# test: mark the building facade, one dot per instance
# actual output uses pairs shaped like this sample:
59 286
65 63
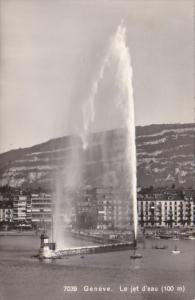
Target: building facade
86 213
169 208
114 209
106 208
41 209
20 206
6 211
102 208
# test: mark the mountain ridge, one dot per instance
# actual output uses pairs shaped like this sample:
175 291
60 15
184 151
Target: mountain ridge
165 156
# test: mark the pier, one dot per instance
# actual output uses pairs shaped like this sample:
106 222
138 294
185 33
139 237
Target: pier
53 254
94 249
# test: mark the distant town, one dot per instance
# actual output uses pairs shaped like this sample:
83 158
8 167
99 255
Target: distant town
99 208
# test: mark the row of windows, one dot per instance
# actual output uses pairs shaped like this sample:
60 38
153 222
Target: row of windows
40 216
168 202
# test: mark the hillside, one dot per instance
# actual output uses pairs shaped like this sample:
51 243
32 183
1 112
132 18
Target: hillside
165 155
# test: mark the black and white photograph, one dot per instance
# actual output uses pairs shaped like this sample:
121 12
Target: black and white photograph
97 149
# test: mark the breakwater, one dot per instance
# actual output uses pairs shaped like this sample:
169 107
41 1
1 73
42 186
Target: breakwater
93 249
95 238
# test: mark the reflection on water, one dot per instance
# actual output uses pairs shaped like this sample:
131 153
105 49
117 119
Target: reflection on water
23 277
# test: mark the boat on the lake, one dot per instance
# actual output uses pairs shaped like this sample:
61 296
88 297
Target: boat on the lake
176 250
135 255
190 237
160 247
165 236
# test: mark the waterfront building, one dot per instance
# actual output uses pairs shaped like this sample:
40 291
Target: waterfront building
28 210
114 209
41 209
166 208
102 208
20 204
6 211
86 209
105 208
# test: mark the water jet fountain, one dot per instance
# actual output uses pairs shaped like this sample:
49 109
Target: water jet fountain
117 55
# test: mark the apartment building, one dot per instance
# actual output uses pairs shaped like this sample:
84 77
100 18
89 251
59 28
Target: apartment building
169 208
21 204
41 209
6 211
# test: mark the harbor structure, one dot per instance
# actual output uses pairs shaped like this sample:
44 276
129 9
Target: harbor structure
47 249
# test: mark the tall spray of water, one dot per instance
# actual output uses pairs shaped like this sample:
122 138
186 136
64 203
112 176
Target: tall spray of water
118 58
125 101
117 61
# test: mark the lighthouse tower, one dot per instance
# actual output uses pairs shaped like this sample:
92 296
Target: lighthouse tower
45 251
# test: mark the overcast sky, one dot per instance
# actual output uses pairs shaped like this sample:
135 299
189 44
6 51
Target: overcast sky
51 51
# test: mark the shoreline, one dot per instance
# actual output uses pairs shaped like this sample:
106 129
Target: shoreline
17 233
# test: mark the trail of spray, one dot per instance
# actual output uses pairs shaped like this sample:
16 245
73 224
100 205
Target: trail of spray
118 56
88 109
68 178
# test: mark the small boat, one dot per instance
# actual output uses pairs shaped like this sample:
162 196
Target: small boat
190 237
176 250
135 255
165 236
159 247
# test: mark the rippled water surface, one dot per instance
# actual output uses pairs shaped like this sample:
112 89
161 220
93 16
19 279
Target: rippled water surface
25 278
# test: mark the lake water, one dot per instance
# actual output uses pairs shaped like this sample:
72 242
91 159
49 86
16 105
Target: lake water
25 278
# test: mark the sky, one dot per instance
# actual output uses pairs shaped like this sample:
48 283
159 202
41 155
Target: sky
51 52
